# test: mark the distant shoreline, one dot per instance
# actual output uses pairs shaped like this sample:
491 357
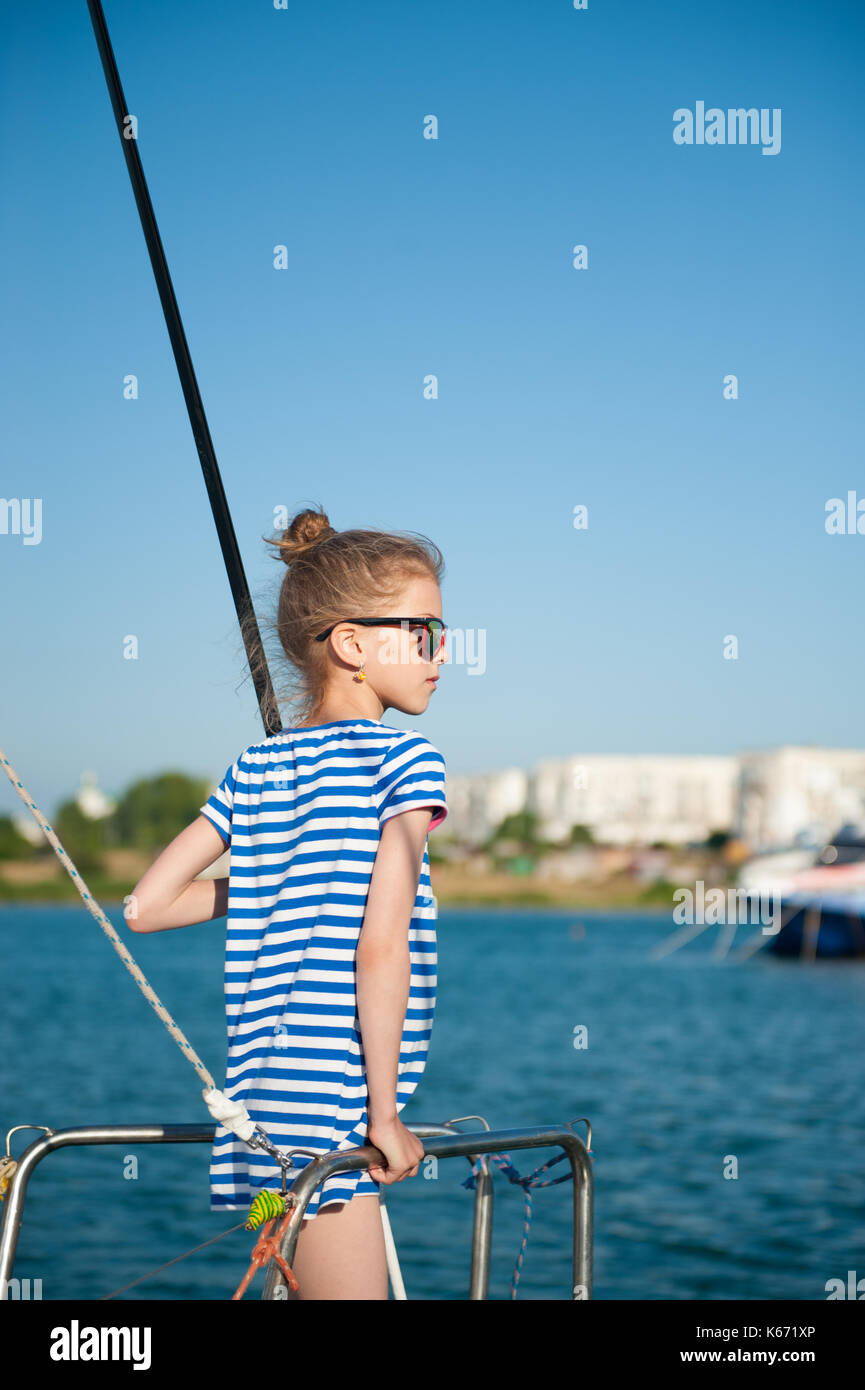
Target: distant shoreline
451 887
646 909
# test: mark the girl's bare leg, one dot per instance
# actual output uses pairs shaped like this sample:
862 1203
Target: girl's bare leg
340 1252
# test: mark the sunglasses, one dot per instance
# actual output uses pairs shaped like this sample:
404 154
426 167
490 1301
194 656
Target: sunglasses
432 631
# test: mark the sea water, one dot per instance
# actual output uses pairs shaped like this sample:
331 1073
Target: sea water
726 1101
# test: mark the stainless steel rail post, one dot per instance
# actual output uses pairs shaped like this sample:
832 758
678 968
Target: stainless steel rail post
452 1146
440 1141
12 1207
275 1286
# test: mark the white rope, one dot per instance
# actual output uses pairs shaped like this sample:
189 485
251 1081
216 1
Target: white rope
393 1268
232 1114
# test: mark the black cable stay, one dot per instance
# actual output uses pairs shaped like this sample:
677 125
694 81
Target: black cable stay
195 408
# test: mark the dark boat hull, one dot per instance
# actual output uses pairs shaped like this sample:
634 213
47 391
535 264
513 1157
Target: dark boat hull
834 932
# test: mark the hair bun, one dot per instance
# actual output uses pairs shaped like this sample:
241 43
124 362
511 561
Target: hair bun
308 529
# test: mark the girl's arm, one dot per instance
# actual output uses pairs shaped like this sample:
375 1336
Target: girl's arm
166 895
382 958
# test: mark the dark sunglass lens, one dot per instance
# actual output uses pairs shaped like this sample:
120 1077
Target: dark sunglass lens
430 636
421 633
434 636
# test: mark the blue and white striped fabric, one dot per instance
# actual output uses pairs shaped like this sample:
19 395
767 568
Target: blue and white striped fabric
302 813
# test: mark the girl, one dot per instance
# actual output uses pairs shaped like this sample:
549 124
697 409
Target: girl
330 967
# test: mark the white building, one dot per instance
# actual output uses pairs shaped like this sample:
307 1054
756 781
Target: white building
766 798
476 805
92 801
29 830
635 799
788 792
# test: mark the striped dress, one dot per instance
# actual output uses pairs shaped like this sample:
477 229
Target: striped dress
302 813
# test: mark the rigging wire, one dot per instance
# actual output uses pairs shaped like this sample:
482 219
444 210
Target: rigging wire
176 1260
127 130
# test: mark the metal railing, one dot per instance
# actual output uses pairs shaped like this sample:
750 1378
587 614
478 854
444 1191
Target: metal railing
440 1141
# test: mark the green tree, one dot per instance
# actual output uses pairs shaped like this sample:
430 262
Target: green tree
581 835
522 827
12 843
83 839
152 811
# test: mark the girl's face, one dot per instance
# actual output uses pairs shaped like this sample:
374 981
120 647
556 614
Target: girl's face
395 664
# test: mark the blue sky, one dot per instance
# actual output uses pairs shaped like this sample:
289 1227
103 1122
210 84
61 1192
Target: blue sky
408 256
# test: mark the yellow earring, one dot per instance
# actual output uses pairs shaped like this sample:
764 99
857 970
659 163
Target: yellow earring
359 675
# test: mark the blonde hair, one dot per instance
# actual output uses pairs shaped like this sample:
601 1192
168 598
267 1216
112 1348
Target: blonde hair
335 575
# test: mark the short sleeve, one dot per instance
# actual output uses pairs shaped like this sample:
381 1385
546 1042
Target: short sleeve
219 805
412 776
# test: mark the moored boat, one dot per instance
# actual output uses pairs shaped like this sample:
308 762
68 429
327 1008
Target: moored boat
821 903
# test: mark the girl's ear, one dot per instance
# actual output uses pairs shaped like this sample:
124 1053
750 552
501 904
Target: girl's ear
346 644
